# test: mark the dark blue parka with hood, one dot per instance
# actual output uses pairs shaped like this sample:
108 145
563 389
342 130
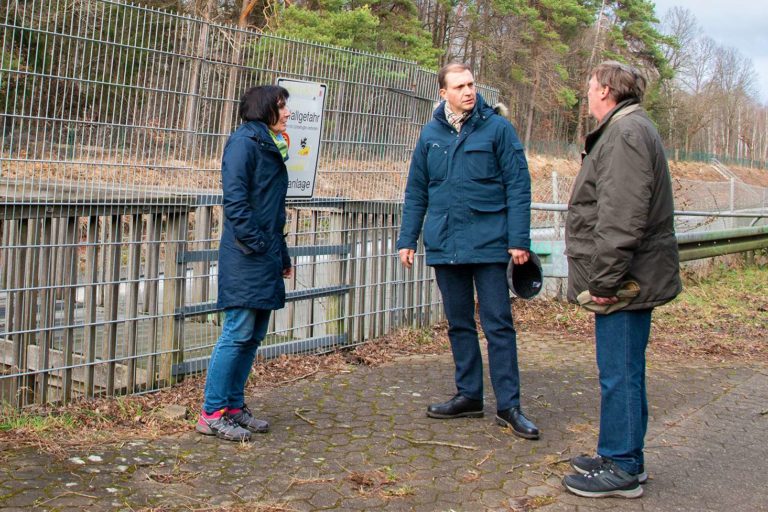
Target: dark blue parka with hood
253 252
473 187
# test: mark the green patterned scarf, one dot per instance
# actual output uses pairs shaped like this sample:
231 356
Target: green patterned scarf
281 143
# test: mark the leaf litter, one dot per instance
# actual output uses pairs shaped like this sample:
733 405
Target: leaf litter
731 331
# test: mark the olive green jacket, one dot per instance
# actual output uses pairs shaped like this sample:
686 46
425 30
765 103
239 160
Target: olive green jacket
620 222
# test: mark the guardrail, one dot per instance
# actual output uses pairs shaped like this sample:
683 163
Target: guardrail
708 244
693 246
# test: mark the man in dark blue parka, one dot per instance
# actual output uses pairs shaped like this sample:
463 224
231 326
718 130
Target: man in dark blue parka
469 186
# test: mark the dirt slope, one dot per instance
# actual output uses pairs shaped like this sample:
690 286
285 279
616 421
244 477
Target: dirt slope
541 167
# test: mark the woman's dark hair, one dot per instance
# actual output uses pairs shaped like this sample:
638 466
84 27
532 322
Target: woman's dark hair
263 103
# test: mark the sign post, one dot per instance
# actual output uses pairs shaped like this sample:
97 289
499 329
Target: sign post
303 131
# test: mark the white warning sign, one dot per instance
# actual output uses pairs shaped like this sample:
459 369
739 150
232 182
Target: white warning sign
306 102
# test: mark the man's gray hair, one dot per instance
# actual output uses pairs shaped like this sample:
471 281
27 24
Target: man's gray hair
453 67
624 81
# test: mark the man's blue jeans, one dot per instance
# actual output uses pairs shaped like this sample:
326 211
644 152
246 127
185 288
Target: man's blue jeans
233 356
457 286
621 339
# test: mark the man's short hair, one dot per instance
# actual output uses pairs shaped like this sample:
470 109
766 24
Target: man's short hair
263 103
453 67
624 81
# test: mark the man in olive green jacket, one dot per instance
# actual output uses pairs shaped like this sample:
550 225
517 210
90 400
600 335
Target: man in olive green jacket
620 229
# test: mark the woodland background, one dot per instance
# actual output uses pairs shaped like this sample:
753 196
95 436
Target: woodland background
537 53
702 96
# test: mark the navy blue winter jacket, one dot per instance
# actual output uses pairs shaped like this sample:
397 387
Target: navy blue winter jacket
471 190
253 253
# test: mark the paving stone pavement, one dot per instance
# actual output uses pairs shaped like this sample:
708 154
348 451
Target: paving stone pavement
360 440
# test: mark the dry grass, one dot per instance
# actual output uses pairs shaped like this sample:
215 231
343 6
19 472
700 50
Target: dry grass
721 316
528 503
381 482
552 316
542 166
346 178
368 480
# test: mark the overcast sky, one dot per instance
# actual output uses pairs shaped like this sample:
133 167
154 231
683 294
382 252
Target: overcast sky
740 24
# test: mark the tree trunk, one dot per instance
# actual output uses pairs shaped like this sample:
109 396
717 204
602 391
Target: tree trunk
190 114
225 120
532 105
583 104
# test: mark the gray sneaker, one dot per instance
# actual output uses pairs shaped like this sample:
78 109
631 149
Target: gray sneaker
583 464
222 427
245 419
607 480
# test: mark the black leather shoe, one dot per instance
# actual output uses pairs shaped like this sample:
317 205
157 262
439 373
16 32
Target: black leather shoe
456 407
516 420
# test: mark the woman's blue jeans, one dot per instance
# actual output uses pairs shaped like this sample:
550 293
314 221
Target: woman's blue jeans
233 356
621 341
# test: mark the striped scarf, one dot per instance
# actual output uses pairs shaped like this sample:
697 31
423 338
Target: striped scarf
455 120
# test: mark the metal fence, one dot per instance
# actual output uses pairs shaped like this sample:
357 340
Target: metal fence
112 122
730 195
571 150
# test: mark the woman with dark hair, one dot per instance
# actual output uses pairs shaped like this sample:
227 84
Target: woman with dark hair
253 258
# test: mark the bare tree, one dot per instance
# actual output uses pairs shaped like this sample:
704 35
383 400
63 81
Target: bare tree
596 50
